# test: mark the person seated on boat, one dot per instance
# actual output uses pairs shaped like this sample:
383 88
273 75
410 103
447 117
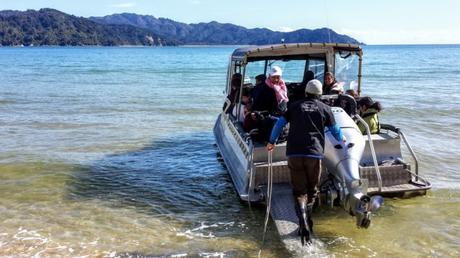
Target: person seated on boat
245 100
264 105
234 91
308 119
250 123
368 110
347 103
263 97
298 92
331 86
275 82
352 93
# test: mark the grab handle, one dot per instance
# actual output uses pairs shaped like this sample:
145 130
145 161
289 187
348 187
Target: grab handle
371 146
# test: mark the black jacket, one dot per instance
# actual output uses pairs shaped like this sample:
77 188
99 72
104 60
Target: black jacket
308 119
264 98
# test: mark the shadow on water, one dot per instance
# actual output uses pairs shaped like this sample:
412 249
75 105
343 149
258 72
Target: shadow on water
178 176
176 179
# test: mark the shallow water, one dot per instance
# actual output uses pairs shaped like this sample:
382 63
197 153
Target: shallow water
109 152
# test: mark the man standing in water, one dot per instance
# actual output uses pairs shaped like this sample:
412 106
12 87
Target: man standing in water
305 149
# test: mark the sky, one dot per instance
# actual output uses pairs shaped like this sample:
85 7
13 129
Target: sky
369 21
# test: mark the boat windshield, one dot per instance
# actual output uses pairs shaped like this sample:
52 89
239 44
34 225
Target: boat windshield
347 69
293 70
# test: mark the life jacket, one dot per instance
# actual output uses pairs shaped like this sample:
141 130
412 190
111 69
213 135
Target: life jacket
371 117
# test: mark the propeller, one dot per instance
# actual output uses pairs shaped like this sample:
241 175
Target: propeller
376 202
367 206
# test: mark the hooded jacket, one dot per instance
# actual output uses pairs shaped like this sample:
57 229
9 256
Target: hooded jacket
308 119
372 119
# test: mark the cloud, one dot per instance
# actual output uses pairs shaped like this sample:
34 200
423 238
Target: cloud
285 29
123 5
195 2
403 36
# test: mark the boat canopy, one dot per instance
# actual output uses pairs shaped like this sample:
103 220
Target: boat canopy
254 53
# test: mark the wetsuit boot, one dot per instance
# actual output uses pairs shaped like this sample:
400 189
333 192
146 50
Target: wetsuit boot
301 210
311 202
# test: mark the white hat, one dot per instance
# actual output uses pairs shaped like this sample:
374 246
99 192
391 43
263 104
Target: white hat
276 71
314 87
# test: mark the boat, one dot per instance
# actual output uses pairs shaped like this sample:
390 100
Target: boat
356 175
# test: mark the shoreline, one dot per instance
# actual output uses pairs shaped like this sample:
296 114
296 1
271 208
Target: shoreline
204 45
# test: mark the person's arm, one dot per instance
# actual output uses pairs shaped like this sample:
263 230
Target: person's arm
276 131
336 132
332 126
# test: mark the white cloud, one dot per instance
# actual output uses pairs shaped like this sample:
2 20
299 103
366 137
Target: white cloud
285 29
195 2
123 5
403 36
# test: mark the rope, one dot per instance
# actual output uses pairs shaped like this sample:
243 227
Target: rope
269 196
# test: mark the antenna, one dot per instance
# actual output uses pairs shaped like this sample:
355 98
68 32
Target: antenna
327 21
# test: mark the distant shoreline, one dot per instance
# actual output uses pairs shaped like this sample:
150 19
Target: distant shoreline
201 46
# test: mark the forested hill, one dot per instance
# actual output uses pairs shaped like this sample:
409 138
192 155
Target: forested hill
219 33
52 27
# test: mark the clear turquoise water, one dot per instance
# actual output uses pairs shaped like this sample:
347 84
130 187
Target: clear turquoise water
109 151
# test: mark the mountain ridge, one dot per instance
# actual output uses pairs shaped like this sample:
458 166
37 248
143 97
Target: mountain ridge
52 27
222 33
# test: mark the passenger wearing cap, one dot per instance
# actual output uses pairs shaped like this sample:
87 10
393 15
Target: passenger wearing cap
368 110
331 86
275 82
308 119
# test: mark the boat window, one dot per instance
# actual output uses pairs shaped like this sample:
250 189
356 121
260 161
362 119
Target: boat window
293 70
252 70
317 66
235 67
346 69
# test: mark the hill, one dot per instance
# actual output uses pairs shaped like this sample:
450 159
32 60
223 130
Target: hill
221 33
52 27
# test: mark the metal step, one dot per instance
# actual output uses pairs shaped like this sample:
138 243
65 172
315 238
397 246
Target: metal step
401 190
283 214
283 211
396 181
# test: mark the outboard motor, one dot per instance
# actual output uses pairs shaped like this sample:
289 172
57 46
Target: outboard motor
342 162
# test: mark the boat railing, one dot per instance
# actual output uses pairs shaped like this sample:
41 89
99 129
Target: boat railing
409 147
227 105
371 147
250 166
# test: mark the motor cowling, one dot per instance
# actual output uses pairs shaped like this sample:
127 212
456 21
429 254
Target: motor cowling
342 162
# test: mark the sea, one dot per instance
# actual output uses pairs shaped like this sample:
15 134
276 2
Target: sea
109 152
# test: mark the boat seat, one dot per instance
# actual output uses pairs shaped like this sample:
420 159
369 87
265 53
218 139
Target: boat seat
387 147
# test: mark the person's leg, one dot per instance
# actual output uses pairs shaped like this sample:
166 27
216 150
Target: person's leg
313 173
299 185
298 176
